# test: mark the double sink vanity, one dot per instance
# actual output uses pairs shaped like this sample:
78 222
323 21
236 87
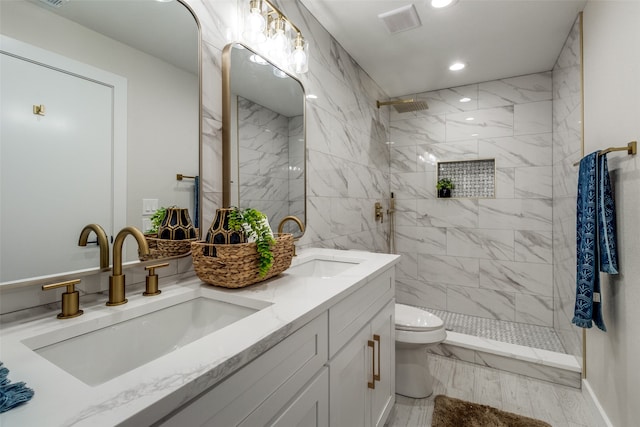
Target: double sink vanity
314 345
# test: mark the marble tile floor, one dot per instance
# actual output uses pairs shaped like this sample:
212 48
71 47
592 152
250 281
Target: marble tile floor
558 405
534 336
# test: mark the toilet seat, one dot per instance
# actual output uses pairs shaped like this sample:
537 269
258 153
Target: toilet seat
409 318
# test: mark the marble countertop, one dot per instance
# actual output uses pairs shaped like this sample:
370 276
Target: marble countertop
149 392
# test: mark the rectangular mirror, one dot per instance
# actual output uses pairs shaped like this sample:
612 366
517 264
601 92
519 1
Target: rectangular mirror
264 144
56 180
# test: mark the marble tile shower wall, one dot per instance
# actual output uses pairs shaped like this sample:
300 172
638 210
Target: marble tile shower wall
567 149
484 257
347 155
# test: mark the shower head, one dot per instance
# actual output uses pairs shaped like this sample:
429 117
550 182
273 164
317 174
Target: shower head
404 105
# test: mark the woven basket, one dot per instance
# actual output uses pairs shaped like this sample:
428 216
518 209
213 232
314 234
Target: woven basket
169 248
237 265
152 242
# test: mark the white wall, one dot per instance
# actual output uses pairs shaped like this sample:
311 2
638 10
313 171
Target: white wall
612 118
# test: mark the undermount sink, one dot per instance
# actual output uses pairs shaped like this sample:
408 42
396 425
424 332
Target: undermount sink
324 268
102 354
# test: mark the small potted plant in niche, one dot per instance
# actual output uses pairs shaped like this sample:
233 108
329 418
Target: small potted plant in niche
444 186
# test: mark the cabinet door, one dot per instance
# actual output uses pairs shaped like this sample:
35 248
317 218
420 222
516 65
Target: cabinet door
383 395
262 388
349 372
310 408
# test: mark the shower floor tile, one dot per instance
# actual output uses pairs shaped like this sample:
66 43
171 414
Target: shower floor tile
534 336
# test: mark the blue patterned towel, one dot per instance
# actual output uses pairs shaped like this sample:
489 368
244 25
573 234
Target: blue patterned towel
12 394
595 221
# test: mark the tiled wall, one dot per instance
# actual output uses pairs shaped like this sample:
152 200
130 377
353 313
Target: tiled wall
264 159
567 147
271 162
484 257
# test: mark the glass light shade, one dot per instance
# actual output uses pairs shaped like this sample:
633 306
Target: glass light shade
279 46
299 58
254 26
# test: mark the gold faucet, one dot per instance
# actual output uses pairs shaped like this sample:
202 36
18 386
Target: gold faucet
297 221
116 280
102 241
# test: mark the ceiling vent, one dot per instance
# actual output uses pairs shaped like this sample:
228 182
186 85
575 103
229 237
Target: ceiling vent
401 19
54 3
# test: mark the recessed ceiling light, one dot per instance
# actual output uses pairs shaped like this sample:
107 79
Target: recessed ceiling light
456 66
439 4
465 99
469 119
312 96
474 134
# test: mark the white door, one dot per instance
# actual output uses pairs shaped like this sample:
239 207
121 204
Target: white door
60 161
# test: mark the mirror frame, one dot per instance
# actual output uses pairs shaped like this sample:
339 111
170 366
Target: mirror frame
227 145
74 274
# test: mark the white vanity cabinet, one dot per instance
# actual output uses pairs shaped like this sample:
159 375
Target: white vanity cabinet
362 366
337 370
283 384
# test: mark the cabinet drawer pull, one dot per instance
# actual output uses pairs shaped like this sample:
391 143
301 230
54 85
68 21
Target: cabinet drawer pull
372 384
376 377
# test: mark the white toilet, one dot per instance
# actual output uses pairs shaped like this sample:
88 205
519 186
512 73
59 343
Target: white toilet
416 329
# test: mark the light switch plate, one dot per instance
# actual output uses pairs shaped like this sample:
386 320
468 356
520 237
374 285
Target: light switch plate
149 206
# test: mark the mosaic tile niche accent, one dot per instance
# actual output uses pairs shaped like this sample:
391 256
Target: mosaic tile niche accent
472 178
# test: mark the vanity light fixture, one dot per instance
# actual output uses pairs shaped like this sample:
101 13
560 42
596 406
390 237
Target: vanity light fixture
265 25
456 66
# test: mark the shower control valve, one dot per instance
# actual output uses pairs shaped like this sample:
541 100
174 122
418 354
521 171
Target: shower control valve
378 212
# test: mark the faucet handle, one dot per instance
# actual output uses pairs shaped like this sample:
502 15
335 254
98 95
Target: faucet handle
70 299
152 280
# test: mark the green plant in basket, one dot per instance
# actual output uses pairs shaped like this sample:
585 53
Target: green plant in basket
254 224
156 220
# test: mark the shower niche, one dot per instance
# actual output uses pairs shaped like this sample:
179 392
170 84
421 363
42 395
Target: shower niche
471 178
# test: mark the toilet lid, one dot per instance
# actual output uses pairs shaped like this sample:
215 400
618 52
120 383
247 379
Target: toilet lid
410 318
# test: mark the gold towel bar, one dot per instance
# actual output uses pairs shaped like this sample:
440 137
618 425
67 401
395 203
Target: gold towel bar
631 149
180 177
